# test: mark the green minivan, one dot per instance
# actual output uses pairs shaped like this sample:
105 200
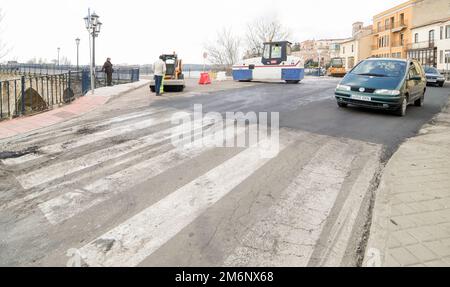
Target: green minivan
378 83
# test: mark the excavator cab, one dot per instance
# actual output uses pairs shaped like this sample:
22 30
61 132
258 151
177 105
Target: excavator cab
173 67
275 53
174 78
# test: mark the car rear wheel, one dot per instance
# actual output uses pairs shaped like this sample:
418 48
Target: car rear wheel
401 112
342 105
420 102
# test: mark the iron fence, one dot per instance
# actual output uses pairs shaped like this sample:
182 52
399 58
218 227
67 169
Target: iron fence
29 94
26 89
120 76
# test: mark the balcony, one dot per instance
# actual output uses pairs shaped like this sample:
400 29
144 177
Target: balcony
394 44
399 44
393 27
376 47
421 45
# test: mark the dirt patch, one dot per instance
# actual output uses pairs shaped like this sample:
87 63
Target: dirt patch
87 131
16 154
361 250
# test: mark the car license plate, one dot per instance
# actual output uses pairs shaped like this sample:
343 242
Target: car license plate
432 80
361 98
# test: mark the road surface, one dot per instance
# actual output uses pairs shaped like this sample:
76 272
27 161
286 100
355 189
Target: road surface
110 188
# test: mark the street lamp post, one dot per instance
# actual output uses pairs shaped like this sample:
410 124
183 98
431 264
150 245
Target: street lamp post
77 41
93 26
319 71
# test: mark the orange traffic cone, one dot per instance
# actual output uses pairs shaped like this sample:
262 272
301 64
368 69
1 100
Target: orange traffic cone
205 79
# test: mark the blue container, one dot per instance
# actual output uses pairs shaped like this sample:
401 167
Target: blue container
293 74
242 75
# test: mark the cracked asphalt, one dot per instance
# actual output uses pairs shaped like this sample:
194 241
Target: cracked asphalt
111 189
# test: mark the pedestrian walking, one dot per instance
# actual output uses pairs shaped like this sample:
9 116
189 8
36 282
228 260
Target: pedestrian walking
159 70
108 69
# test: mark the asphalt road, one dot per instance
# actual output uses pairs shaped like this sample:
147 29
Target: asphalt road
110 188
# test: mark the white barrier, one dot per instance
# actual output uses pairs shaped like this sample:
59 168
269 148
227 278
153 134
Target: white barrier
221 76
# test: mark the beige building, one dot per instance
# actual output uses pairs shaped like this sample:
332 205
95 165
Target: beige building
392 31
326 48
358 47
430 33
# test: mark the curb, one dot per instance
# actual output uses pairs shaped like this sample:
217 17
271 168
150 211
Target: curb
375 253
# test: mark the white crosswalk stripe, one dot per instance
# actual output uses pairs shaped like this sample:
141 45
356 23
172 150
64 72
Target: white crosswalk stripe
61 169
70 204
144 233
295 223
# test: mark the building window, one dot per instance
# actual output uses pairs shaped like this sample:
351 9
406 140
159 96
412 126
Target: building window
441 57
431 36
447 32
353 50
402 39
402 19
442 33
343 50
386 24
379 26
416 38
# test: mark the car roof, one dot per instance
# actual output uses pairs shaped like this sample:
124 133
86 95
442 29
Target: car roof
388 59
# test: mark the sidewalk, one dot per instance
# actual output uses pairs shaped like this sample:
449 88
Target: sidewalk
411 218
79 107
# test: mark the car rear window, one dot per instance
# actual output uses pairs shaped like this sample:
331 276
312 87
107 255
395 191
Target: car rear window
381 68
431 70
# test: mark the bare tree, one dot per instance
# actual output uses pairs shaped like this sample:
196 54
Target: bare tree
264 30
3 47
225 50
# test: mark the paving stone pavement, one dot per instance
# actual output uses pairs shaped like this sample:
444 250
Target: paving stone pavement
411 219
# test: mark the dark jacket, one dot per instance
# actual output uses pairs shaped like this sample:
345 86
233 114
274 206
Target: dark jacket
108 67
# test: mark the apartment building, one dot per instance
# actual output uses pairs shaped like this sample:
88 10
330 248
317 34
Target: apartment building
430 34
392 31
358 47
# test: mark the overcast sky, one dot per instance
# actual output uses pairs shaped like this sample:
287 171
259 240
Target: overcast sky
137 31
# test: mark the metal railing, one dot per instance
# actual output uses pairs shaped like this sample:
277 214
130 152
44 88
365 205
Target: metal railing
421 45
391 26
27 88
120 76
393 44
29 94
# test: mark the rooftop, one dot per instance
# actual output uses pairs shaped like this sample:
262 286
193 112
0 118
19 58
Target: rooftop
398 7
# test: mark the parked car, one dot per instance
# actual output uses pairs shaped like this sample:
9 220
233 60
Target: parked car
434 77
388 84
